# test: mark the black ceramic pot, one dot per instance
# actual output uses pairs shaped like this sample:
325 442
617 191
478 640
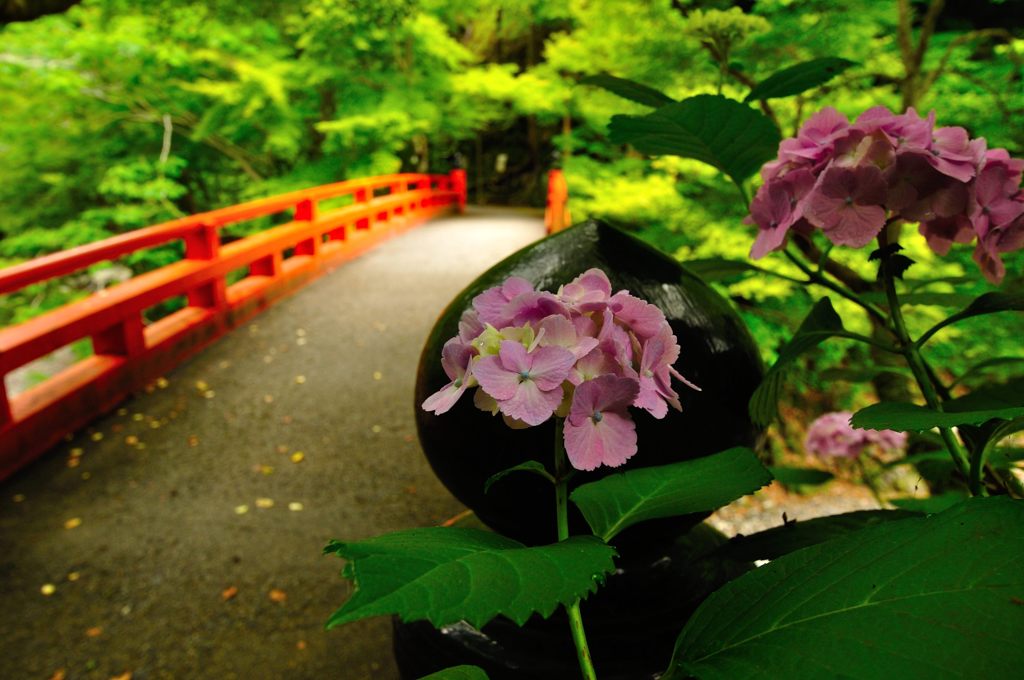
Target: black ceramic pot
466 446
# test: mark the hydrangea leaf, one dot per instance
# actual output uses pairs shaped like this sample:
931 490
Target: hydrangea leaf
621 500
1003 402
932 504
629 89
458 673
934 597
799 78
533 466
988 303
446 574
791 536
821 323
713 129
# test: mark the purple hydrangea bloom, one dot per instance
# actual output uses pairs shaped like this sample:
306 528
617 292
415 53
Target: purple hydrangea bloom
852 180
534 354
832 436
599 430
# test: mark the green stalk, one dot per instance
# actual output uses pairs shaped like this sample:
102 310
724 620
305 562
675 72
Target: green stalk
912 354
562 471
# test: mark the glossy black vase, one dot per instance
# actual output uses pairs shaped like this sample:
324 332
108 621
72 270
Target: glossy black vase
633 620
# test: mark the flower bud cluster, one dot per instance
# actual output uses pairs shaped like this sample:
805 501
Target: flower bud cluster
582 353
850 179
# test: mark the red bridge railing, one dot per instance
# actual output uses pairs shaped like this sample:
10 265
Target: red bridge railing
129 354
556 212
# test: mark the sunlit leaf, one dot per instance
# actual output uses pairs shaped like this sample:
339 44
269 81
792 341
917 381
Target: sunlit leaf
629 89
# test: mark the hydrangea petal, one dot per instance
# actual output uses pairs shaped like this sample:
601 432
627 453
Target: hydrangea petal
530 403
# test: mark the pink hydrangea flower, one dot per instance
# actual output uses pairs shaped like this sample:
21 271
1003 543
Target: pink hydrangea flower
832 436
851 180
582 352
599 430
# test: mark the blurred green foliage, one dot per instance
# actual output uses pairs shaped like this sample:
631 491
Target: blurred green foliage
119 114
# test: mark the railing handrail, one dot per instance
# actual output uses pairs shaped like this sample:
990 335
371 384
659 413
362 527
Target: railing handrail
65 262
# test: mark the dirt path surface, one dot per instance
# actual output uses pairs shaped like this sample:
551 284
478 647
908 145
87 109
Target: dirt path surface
181 536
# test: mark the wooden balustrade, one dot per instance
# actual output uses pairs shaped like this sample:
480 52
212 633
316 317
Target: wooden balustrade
128 353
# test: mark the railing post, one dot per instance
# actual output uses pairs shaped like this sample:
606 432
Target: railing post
397 188
5 405
204 244
305 211
556 213
362 195
458 179
124 339
423 184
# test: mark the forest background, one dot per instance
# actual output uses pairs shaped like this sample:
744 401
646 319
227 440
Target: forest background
115 115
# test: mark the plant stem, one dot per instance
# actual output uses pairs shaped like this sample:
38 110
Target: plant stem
562 471
921 374
818 278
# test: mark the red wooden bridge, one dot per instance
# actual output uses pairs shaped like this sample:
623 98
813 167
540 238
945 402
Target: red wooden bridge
129 354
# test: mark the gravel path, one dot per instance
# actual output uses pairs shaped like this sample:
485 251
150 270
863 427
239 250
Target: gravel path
181 536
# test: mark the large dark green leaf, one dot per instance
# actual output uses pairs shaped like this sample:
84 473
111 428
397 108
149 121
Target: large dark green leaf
791 536
989 303
629 89
931 597
799 78
621 500
985 366
447 574
930 504
821 323
1004 402
719 131
458 673
718 268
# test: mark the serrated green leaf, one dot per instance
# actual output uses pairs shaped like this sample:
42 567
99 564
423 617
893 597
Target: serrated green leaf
621 500
713 129
929 597
989 303
791 476
774 543
458 673
629 89
799 78
446 574
821 323
532 466
931 504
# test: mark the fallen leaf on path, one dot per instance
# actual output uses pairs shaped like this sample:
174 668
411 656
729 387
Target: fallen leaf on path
131 440
193 441
287 420
96 436
282 448
295 506
264 503
224 364
162 383
229 593
86 475
377 375
377 429
73 523
58 674
18 498
299 379
267 469
127 675
268 399
74 576
411 489
48 589
276 595
300 342
301 332
300 645
137 417
209 394
202 386
76 452
94 632
74 462
298 457
241 509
